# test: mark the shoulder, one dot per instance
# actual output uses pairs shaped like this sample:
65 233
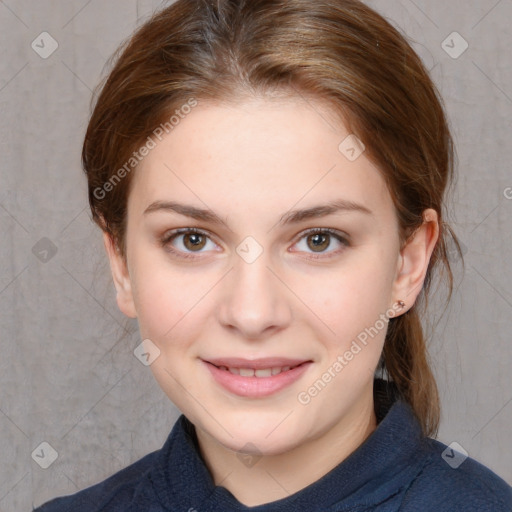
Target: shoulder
116 491
451 481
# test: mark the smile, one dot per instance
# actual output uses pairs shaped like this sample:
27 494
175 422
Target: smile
257 378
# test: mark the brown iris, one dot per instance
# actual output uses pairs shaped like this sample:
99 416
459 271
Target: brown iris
195 239
317 241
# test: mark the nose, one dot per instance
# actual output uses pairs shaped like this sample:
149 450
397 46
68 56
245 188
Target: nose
254 300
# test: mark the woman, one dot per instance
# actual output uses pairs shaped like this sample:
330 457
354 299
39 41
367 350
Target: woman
269 177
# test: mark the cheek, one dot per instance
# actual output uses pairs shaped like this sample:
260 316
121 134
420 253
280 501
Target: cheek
348 299
159 301
171 304
167 316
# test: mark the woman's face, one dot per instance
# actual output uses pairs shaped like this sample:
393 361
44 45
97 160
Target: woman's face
249 283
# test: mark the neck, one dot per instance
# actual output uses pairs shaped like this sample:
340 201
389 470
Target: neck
270 479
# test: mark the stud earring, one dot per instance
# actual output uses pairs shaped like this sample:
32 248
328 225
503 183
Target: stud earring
401 303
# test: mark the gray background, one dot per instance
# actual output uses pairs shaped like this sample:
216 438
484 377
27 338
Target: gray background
68 378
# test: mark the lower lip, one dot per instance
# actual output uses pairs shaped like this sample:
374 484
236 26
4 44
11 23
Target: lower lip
256 387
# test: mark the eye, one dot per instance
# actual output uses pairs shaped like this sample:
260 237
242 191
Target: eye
192 240
319 239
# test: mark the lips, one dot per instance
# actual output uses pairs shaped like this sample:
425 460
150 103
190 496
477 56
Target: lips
256 377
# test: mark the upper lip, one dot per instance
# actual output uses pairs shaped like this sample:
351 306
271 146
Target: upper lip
256 364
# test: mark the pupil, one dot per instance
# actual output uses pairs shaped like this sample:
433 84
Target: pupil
193 239
318 237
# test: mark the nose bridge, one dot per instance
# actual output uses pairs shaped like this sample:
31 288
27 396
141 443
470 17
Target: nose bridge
254 298
251 270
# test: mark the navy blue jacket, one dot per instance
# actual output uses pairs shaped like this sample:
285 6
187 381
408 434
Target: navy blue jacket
395 469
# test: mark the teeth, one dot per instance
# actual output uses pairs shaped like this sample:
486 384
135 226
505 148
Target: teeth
250 372
267 372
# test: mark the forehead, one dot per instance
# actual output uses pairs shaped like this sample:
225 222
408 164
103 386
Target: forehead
257 153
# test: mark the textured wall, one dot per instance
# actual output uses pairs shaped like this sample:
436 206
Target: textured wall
66 376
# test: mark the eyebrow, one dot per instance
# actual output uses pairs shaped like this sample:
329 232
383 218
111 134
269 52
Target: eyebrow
290 217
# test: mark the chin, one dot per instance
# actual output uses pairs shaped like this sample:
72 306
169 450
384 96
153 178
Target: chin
256 437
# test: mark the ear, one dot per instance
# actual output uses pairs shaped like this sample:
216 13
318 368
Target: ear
414 259
121 277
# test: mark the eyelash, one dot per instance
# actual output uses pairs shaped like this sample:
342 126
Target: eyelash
166 239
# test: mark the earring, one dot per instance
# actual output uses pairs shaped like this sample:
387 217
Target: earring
401 303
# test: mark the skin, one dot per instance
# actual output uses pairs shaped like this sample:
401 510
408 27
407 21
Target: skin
251 162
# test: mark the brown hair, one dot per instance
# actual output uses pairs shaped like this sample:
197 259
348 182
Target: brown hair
337 51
